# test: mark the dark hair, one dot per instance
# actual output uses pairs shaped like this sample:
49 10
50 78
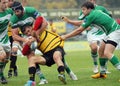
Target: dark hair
17 6
88 5
24 27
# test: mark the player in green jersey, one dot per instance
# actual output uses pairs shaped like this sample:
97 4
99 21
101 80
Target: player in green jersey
23 17
94 36
110 27
5 49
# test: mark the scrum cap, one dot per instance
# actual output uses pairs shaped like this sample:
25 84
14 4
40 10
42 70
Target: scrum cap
17 6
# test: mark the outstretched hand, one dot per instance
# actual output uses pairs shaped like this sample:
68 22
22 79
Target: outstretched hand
64 18
63 37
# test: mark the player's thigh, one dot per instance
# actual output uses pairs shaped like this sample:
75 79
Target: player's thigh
37 59
41 60
109 49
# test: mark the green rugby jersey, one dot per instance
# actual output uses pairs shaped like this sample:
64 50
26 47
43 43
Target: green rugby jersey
26 19
97 7
4 22
102 20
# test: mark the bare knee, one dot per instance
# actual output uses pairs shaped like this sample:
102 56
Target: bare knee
93 47
107 54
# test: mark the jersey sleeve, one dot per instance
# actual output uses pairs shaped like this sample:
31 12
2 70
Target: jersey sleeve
33 12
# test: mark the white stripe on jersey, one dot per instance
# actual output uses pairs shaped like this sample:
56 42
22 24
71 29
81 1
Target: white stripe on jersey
3 33
5 17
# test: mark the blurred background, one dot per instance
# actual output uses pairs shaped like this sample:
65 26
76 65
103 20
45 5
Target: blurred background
53 9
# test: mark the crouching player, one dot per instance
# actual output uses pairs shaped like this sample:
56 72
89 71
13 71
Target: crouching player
50 44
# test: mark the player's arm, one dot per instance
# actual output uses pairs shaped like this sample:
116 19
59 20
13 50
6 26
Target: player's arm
40 25
44 25
15 35
74 22
73 33
85 24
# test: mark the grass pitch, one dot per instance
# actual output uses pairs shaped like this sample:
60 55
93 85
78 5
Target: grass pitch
81 64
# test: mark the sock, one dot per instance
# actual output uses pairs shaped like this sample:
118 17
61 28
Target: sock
94 55
67 68
11 69
15 68
13 63
103 65
32 71
114 60
61 69
1 69
106 64
40 74
37 68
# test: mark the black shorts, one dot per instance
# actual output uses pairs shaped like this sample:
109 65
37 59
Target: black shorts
49 55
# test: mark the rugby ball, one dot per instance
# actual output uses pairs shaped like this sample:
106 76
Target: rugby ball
33 45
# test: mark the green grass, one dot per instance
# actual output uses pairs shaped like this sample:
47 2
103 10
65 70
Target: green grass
80 62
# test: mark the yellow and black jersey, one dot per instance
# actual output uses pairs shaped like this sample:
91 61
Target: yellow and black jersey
49 41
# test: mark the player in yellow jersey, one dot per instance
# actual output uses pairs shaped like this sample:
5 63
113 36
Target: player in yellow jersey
50 44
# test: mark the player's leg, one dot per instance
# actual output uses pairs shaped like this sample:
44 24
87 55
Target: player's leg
40 75
92 40
101 37
57 57
94 55
102 61
69 71
13 59
13 67
32 68
107 51
4 55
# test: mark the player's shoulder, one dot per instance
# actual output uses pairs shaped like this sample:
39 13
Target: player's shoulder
29 9
100 7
